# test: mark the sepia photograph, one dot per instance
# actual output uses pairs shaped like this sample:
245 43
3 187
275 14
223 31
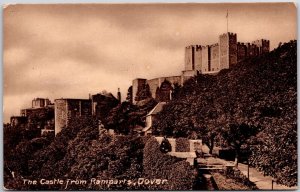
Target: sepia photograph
150 96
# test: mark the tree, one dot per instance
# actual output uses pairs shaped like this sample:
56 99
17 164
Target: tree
176 90
126 116
129 94
238 135
144 93
208 137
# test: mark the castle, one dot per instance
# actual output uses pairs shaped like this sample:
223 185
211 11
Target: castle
209 59
199 59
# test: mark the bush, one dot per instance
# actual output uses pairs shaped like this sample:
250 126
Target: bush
236 174
182 145
159 165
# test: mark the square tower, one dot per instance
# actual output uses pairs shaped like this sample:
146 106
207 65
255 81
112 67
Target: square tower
198 57
263 46
137 85
241 51
189 58
205 59
66 110
228 50
214 58
193 58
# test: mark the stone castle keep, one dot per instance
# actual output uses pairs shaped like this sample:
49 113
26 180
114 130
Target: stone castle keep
199 59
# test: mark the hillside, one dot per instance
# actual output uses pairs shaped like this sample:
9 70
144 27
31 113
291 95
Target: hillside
259 92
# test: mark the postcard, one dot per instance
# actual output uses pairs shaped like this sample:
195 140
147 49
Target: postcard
150 96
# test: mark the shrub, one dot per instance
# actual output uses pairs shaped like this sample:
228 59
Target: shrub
182 145
236 174
159 165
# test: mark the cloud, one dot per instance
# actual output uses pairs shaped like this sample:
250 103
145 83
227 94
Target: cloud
71 50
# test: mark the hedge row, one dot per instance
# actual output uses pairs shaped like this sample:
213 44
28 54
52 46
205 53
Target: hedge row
179 174
182 145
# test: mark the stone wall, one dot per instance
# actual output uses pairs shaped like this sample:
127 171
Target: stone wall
263 46
60 114
189 58
154 84
205 59
198 57
195 144
224 51
137 85
66 110
232 49
241 51
252 50
214 58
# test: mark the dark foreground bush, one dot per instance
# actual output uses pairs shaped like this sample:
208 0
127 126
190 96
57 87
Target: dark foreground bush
178 173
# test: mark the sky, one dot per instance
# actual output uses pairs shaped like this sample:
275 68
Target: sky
73 50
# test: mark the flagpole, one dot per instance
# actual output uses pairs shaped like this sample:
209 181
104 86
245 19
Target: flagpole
227 20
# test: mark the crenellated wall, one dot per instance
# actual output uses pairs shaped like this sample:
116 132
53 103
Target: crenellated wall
241 51
209 59
263 46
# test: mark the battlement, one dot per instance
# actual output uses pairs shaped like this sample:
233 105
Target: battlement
198 47
261 41
214 45
250 44
205 59
228 34
194 46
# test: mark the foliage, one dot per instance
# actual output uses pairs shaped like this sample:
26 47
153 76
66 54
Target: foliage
125 117
208 135
260 92
238 135
79 152
104 103
182 145
129 94
234 181
159 165
144 93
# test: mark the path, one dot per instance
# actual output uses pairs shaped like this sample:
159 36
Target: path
261 181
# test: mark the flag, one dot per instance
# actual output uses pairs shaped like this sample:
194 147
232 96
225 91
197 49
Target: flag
227 14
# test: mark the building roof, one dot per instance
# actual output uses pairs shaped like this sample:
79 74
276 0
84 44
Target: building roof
157 108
